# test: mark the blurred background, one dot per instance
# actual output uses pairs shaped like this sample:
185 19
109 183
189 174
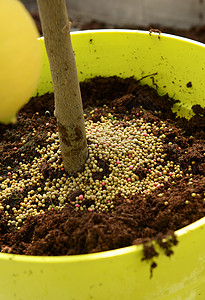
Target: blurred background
184 18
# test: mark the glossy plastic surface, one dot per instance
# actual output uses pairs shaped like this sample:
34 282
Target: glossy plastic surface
121 274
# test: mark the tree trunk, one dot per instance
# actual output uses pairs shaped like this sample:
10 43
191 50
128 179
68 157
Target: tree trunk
68 103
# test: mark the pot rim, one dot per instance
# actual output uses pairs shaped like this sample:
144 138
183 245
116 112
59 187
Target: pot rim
162 34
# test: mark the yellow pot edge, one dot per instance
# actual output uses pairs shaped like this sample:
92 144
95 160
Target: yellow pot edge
198 225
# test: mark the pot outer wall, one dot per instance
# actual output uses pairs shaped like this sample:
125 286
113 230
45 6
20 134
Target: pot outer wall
121 274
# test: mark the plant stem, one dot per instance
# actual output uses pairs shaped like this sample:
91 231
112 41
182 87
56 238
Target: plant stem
68 102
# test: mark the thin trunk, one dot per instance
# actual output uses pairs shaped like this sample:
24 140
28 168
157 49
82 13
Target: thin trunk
68 103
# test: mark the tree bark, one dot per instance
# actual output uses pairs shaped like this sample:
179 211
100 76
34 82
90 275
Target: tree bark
68 103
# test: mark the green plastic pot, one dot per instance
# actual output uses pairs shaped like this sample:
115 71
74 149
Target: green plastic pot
121 274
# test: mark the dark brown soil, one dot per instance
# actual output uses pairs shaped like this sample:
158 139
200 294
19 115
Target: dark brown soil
133 220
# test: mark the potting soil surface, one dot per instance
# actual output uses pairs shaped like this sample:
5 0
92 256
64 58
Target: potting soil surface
144 177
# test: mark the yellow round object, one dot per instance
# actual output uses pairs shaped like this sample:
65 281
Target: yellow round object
20 58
